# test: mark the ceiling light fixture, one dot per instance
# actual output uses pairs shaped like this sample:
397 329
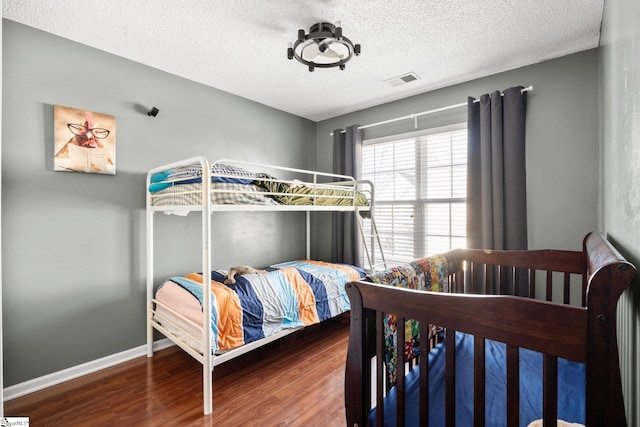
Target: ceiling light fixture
323 47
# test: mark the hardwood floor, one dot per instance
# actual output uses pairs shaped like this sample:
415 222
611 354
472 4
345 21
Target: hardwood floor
296 381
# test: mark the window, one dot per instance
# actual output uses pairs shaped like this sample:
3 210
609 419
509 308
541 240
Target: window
420 182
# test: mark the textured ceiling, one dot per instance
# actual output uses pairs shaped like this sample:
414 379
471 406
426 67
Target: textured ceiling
239 46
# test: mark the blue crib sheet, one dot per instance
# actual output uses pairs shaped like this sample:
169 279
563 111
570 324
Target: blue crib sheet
571 387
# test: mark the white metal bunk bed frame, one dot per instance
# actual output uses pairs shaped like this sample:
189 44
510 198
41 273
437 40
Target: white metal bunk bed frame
207 208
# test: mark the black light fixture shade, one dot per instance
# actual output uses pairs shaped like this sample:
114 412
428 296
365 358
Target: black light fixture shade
323 47
153 112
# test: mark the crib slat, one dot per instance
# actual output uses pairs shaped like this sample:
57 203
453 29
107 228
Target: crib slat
400 371
380 373
487 279
567 288
513 386
450 378
550 390
473 269
532 283
457 281
424 373
549 285
502 279
478 381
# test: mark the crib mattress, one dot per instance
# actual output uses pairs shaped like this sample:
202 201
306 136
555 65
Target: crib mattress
571 388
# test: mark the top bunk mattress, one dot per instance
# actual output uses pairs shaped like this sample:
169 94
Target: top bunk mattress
236 185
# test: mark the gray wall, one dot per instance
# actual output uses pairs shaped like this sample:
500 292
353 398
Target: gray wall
562 141
621 173
74 244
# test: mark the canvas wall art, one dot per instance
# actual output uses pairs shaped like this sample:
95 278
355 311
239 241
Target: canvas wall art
85 141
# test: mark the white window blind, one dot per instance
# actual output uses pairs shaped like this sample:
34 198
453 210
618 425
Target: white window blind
421 189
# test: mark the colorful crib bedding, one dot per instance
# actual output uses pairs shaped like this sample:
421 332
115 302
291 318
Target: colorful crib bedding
571 387
294 294
426 274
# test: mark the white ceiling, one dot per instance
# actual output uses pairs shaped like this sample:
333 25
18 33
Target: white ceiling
239 46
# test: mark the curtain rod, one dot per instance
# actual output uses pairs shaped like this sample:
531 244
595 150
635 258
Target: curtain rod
424 113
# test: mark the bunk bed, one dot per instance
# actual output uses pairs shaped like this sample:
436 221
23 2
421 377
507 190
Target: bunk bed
512 338
262 306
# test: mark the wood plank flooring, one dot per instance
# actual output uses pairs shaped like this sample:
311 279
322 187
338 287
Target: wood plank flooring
296 381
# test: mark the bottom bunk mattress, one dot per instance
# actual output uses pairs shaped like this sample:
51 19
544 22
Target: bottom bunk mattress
289 295
571 388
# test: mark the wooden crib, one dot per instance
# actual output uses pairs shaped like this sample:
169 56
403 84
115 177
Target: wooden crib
559 306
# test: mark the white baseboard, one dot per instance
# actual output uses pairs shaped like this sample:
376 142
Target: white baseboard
49 380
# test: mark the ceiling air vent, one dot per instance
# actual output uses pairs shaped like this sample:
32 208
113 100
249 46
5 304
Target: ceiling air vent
400 80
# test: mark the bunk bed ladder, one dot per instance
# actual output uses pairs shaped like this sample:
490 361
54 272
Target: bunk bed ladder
371 242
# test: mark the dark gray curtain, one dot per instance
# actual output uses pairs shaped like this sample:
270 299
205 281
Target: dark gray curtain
496 176
346 245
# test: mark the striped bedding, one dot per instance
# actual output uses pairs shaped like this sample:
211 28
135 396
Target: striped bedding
231 185
222 193
294 294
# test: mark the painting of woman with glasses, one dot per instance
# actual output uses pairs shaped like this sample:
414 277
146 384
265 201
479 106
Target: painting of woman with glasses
84 141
